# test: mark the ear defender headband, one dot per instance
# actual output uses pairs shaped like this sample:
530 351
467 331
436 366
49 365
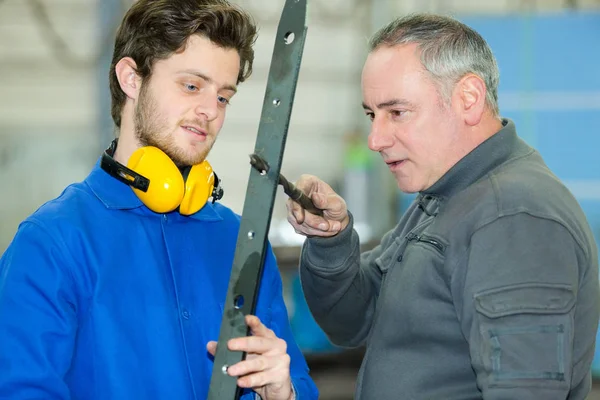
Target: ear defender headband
159 184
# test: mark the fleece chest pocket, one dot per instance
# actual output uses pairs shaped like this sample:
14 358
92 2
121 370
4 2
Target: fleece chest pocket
525 334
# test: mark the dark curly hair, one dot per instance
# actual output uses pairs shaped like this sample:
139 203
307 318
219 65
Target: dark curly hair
153 30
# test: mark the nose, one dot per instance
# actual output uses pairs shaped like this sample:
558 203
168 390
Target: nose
207 107
380 138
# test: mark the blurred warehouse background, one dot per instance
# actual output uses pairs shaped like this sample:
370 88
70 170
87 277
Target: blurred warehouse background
55 119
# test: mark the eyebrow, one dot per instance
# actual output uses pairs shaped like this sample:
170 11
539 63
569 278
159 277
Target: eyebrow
390 103
208 79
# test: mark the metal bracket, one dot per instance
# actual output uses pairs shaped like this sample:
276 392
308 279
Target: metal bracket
260 195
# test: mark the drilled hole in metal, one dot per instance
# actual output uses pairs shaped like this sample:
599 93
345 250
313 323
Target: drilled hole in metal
288 38
238 302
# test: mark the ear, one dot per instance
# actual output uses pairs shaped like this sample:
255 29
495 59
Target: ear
128 78
471 92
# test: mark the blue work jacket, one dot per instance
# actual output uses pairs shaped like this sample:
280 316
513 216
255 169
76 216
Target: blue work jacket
101 298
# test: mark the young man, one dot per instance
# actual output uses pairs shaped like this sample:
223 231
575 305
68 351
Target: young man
488 286
104 297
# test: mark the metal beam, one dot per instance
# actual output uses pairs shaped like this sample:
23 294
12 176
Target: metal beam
251 247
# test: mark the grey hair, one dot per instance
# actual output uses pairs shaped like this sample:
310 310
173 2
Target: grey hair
449 50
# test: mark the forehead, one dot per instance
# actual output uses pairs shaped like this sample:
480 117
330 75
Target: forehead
199 53
394 71
399 60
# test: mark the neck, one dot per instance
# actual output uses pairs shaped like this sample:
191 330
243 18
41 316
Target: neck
488 127
475 135
128 143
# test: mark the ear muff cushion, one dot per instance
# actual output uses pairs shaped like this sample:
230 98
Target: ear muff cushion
166 188
198 188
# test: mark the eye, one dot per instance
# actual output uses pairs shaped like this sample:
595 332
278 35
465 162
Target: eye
396 113
223 100
190 88
370 115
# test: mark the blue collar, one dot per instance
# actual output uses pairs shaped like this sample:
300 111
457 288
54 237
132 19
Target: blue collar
117 195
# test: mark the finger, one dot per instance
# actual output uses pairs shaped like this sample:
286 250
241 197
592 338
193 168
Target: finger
295 211
327 231
258 328
211 347
333 205
319 200
317 222
316 225
260 379
319 233
307 183
310 224
310 221
307 231
336 205
259 364
258 345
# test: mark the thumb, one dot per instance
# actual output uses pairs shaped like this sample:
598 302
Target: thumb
319 200
211 347
334 206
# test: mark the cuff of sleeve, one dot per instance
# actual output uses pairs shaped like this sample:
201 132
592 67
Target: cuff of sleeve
330 254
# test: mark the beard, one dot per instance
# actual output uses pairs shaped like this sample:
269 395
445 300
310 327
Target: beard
152 129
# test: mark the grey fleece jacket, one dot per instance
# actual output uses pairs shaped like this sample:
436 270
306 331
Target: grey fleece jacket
486 289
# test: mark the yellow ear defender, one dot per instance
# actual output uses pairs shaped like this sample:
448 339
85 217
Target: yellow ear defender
159 184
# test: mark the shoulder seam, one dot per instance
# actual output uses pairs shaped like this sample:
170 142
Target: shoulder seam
523 210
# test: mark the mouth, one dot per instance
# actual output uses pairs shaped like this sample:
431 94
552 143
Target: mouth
194 130
394 164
